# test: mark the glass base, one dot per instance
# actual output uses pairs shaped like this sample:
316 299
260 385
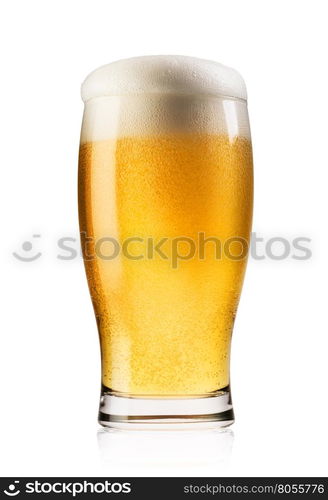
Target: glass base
124 411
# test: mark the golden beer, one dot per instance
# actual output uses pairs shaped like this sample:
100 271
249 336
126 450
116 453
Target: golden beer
165 201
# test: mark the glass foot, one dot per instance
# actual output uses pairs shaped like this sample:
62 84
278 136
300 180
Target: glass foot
165 412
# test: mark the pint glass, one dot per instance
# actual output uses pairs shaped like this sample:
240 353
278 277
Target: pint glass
165 206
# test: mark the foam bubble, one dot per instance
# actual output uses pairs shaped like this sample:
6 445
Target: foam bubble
164 75
161 95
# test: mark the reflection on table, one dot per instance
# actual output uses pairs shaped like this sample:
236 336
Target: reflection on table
178 452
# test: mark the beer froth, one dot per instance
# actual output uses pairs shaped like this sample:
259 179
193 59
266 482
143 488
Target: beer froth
158 95
164 75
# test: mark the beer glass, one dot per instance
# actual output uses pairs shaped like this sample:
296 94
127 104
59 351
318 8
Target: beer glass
165 206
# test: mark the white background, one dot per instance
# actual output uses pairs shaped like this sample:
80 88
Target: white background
49 366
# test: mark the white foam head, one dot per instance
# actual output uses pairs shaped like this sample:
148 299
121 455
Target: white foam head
163 94
164 75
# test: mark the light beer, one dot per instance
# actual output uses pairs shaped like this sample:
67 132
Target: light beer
165 201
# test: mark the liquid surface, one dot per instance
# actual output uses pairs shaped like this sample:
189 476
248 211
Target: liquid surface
165 323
